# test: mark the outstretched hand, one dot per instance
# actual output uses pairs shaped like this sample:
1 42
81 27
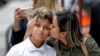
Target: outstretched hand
18 16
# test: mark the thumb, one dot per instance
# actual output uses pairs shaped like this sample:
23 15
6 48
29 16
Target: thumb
17 9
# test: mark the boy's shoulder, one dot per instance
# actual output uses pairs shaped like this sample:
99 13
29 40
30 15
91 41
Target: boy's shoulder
17 49
51 50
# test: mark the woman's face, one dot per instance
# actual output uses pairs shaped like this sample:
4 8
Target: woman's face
55 30
41 30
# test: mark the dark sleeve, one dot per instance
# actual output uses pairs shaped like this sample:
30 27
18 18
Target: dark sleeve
92 47
17 37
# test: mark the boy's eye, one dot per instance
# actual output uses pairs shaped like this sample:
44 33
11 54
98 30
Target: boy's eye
37 25
44 27
47 28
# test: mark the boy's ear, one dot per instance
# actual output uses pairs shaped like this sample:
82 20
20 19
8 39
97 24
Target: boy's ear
63 34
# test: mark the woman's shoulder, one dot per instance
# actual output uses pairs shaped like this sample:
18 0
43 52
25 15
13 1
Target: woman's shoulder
92 46
90 42
88 39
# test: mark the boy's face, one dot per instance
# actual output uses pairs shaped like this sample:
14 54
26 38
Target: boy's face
41 30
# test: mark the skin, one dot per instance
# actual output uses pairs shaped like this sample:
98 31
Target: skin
40 31
55 31
18 16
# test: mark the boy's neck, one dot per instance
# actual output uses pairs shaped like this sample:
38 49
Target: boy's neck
36 43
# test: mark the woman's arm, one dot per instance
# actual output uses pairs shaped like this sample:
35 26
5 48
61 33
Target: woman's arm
18 36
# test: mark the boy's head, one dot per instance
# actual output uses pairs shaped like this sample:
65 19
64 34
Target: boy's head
41 29
42 13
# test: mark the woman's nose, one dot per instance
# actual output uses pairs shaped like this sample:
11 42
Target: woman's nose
50 26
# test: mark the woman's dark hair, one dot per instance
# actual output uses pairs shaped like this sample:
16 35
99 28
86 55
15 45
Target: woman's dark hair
68 22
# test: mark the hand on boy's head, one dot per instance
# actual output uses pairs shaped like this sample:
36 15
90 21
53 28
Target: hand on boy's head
30 25
31 22
32 19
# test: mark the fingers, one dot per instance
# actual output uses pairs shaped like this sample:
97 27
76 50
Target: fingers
32 19
32 22
30 25
19 14
17 9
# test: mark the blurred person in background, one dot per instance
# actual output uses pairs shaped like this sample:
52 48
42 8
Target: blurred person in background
20 20
3 2
95 21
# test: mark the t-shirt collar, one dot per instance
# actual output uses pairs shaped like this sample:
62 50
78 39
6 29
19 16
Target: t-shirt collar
32 48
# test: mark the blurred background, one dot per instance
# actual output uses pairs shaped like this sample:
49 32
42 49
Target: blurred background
7 8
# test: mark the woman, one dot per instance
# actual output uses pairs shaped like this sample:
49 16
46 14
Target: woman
20 21
68 39
35 44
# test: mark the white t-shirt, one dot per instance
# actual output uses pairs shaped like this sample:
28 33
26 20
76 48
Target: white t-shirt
26 48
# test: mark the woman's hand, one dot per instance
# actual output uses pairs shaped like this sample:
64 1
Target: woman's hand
30 25
18 16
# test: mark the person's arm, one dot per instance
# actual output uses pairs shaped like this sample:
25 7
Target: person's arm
92 47
14 51
19 26
17 36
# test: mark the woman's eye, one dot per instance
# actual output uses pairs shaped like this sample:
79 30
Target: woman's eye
47 28
52 26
